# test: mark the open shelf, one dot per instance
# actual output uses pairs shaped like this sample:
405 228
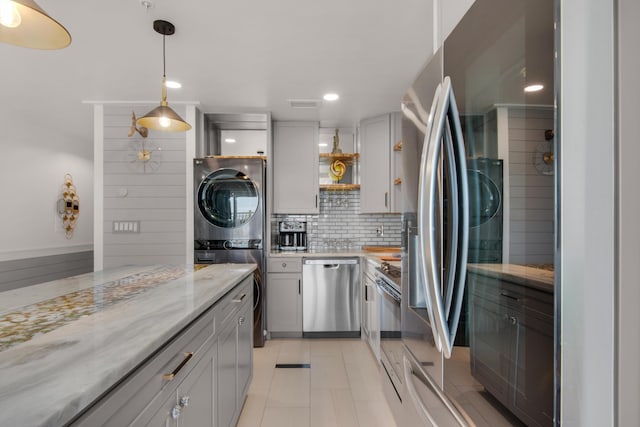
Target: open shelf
345 157
339 187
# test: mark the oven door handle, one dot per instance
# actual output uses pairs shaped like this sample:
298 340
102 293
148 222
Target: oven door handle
382 288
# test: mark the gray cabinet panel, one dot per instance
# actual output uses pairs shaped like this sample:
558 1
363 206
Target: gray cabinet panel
196 394
163 417
381 164
284 302
512 346
534 374
227 385
245 353
295 167
374 164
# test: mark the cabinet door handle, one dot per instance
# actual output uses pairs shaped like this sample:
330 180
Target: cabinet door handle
299 286
366 293
241 320
242 297
172 375
184 401
316 200
175 412
284 265
506 295
386 199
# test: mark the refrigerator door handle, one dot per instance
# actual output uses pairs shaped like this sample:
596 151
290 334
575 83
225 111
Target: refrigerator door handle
462 195
426 221
446 126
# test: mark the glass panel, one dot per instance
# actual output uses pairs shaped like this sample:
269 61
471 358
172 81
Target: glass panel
502 367
228 198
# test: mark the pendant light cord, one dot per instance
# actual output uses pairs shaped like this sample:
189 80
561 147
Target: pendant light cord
164 60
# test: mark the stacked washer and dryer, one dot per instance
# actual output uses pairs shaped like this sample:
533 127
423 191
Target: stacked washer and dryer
229 220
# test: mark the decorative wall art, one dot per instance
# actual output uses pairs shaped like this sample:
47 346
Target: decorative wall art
68 205
143 155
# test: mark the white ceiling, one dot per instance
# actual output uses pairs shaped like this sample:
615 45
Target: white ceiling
241 55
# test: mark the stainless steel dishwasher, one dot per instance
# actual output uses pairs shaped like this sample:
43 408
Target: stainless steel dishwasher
331 297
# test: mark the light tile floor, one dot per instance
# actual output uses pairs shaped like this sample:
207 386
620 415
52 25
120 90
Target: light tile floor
341 388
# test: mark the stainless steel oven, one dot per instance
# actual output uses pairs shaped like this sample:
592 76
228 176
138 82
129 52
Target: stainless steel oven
389 297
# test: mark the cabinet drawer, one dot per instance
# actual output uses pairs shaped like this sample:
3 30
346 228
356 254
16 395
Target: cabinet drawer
285 265
152 383
234 301
511 294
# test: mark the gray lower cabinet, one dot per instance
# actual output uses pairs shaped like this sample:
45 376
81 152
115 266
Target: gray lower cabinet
370 309
235 366
511 344
284 297
193 403
227 355
199 378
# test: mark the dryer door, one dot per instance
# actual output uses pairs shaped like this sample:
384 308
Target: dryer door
485 202
228 198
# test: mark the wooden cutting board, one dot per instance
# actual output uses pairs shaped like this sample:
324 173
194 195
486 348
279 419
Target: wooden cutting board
381 248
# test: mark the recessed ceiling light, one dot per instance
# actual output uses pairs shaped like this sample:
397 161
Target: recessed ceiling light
230 140
533 88
331 97
173 84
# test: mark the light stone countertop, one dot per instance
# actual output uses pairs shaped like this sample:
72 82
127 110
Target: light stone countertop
317 254
534 277
64 343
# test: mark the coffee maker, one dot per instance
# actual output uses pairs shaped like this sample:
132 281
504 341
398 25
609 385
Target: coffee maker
292 236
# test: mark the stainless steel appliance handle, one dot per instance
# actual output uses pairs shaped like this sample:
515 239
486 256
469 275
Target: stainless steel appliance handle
333 261
413 394
446 126
410 374
428 260
462 194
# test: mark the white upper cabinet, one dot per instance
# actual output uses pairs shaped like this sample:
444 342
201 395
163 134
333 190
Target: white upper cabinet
295 168
380 174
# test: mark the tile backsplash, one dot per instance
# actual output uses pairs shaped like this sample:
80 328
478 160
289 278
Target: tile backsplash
340 222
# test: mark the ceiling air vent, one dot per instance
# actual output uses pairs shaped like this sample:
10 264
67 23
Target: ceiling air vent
304 103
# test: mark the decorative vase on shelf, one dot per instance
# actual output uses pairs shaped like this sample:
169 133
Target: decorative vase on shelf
336 144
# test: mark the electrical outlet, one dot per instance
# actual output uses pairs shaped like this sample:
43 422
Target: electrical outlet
380 230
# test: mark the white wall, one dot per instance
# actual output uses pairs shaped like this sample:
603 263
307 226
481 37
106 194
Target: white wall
153 193
531 194
587 213
34 157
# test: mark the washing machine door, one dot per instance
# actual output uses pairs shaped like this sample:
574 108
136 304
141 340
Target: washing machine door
228 198
484 198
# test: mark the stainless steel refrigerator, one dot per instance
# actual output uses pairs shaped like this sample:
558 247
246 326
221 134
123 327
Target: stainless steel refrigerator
478 223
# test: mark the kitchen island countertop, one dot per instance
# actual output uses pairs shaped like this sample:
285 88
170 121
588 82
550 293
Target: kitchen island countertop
64 343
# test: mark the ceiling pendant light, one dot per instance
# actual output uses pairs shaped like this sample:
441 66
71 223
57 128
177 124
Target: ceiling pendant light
24 23
163 117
